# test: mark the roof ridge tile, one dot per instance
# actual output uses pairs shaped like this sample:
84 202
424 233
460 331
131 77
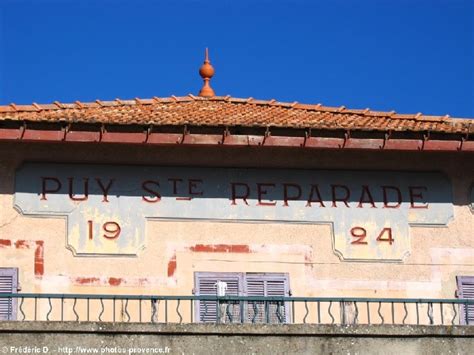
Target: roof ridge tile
304 106
5 109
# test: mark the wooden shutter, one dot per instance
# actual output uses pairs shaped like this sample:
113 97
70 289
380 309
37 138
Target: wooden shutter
269 284
205 284
8 284
466 290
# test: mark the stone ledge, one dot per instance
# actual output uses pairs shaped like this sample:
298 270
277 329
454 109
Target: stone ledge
375 330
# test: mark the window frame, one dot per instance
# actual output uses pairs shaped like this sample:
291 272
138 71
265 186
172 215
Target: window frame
461 281
243 278
218 276
12 312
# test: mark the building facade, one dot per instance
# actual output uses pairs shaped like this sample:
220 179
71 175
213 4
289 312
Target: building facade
170 196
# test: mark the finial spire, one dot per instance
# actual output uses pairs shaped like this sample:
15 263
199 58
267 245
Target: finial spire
207 72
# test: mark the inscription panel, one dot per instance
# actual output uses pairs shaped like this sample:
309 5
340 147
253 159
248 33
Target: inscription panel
107 206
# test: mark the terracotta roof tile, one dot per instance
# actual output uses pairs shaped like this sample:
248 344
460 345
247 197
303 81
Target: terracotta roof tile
228 111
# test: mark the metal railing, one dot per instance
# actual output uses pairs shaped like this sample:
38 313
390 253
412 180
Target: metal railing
234 309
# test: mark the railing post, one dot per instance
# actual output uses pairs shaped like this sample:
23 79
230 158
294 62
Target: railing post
293 313
466 312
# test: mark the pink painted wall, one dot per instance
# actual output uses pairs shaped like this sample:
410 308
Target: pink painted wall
175 250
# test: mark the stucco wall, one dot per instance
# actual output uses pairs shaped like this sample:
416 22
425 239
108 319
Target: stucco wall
167 264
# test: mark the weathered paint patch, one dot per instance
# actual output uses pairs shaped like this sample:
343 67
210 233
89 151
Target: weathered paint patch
39 258
21 244
38 245
5 243
115 281
220 248
172 266
86 280
65 281
208 248
106 281
305 250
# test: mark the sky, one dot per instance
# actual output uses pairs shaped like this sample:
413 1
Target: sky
405 55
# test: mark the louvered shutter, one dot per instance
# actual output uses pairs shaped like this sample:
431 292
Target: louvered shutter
466 290
269 285
8 284
205 282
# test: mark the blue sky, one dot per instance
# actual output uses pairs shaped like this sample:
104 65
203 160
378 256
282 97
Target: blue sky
404 55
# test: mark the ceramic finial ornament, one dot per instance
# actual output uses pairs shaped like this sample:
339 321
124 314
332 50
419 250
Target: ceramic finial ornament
207 72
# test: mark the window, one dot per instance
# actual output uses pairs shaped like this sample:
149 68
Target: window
240 284
8 284
466 290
